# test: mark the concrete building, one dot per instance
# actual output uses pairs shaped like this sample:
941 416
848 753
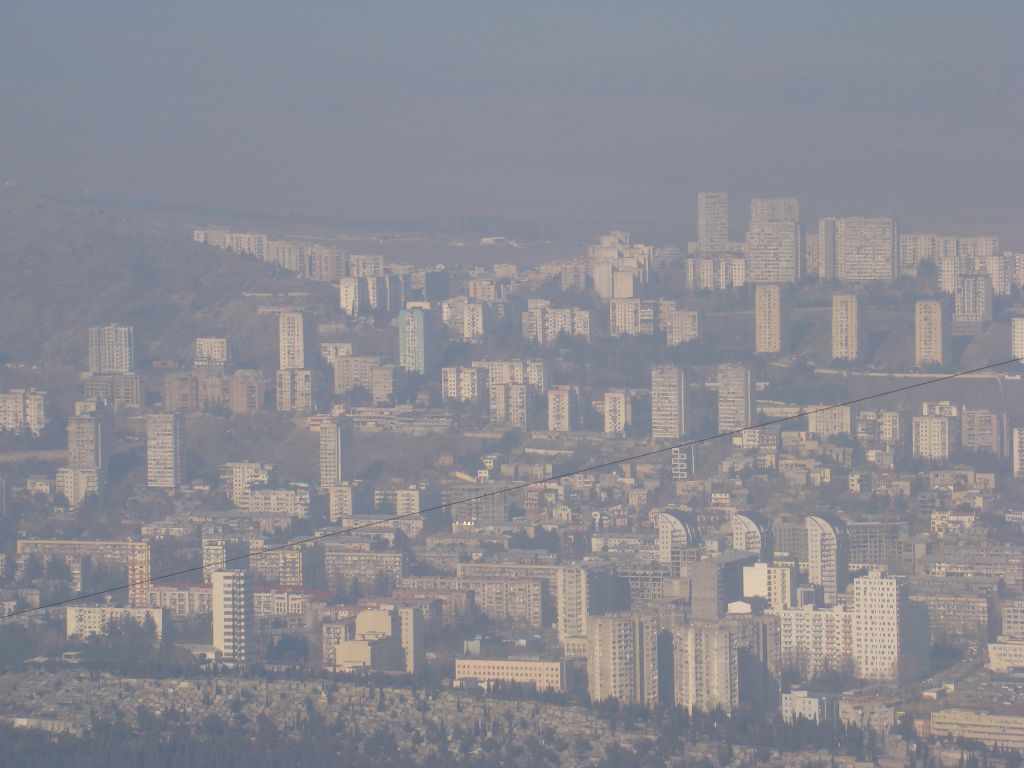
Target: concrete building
862 249
931 438
111 349
618 412
828 556
232 617
846 327
881 635
622 659
712 222
775 584
417 340
563 405
752 532
706 668
773 240
165 450
84 621
768 322
543 675
735 397
972 305
337 452
211 352
294 333
929 334
678 539
681 326
668 402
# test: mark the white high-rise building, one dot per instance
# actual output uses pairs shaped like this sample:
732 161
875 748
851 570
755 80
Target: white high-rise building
767 319
773 240
85 442
706 659
880 632
972 305
828 556
618 412
354 296
417 340
712 222
929 341
668 402
622 659
111 349
1017 339
232 617
846 327
292 335
931 438
562 409
1018 452
734 397
165 450
337 452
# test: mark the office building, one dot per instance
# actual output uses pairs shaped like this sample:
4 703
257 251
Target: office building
767 319
735 397
165 450
828 556
929 334
846 327
111 349
668 402
337 452
232 617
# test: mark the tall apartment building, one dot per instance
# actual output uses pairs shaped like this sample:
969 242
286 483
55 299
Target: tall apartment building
353 296
1017 339
337 452
111 349
293 334
622 659
165 450
735 397
417 340
563 406
881 637
668 402
232 617
846 327
828 556
929 334
545 324
706 668
466 384
509 404
776 584
768 319
859 248
984 431
773 240
1017 446
618 412
238 478
295 391
972 305
23 410
712 222
931 438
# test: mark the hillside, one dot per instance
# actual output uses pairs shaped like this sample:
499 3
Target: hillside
66 268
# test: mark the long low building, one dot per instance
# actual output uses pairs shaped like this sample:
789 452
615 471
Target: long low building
546 675
1005 730
89 620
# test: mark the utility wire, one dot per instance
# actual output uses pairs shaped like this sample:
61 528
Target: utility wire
511 488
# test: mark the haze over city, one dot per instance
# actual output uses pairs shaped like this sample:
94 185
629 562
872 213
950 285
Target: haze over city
596 385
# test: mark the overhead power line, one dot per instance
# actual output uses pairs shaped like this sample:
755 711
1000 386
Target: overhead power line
512 488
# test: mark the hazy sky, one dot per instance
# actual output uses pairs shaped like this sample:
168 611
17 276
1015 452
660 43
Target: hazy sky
577 115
